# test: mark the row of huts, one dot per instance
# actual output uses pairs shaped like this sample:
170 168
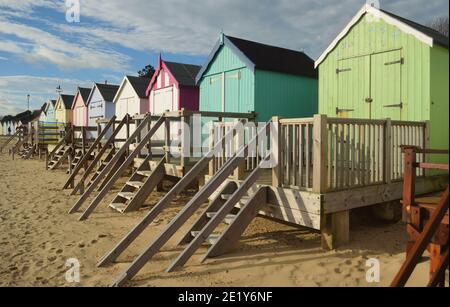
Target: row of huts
380 66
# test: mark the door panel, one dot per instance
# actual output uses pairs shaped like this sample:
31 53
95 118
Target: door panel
163 101
353 88
386 85
232 83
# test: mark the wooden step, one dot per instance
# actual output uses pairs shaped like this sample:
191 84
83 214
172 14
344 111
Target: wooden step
228 219
135 184
243 200
210 240
127 195
118 206
145 173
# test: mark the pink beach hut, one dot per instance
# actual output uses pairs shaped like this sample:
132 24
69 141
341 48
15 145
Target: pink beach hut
79 107
173 87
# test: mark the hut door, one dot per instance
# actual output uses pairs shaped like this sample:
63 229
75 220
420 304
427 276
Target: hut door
353 88
386 85
232 80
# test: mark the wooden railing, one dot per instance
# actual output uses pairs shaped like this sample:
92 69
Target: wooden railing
328 154
188 149
257 152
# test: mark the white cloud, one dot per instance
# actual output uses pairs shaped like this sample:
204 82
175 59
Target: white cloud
187 27
13 98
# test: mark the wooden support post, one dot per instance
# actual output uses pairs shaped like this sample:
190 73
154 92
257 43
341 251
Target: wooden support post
167 139
320 149
239 138
212 137
185 139
277 151
388 151
409 178
335 229
99 131
149 144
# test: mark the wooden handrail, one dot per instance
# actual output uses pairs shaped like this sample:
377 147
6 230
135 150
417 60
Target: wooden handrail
86 156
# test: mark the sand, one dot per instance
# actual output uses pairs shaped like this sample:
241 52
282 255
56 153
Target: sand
37 237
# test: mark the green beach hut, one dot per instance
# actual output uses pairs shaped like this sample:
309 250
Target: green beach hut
243 76
385 66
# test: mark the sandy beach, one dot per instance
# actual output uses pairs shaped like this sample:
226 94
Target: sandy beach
37 236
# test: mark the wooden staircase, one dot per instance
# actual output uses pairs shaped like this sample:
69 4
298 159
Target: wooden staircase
218 212
140 185
121 169
96 159
9 140
60 155
28 151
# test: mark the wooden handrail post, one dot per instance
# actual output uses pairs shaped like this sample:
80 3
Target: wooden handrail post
320 150
277 151
167 139
185 139
388 151
212 137
409 177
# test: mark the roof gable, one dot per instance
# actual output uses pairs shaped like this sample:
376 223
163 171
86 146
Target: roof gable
106 91
264 57
65 100
183 74
83 93
424 34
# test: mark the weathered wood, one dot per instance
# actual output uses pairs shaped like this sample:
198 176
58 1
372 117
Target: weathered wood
234 231
218 218
377 194
123 167
229 188
320 150
148 187
335 229
179 220
187 211
191 176
277 150
85 159
108 167
92 166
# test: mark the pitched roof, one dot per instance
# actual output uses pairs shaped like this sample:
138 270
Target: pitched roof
67 100
184 73
425 34
139 85
265 57
108 91
438 37
84 93
24 117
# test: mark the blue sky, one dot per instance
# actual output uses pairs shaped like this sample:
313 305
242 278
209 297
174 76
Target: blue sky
39 49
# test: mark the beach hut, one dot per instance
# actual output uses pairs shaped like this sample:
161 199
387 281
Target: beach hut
79 107
385 66
173 88
1 125
131 98
100 103
244 76
63 109
50 111
43 115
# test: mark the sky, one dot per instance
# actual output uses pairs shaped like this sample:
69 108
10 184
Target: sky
40 49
